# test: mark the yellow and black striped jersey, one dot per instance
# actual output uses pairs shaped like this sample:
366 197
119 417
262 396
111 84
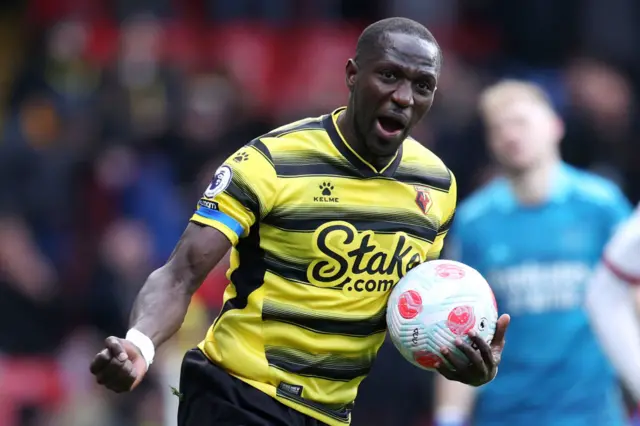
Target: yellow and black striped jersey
320 238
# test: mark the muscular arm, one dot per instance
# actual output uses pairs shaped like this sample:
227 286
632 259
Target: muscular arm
162 303
239 193
160 308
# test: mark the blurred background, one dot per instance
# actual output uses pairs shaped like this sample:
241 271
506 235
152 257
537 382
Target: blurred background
114 113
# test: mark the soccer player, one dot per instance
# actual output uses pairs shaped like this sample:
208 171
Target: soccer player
324 216
536 233
613 300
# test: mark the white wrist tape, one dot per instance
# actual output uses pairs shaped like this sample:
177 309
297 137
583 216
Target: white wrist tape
143 343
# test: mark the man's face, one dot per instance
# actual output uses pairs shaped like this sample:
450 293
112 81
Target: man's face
392 89
522 133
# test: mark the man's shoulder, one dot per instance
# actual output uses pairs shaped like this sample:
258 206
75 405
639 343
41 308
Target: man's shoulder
422 166
592 189
301 134
414 153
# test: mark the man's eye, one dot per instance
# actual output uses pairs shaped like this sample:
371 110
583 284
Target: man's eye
424 86
388 75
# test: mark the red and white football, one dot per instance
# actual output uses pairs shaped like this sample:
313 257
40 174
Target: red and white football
435 303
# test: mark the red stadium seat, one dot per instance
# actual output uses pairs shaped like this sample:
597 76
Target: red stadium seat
248 51
28 381
182 44
312 62
102 43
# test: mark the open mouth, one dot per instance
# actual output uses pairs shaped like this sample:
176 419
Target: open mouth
390 125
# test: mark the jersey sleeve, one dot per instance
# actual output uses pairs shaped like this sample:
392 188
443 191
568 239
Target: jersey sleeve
448 213
242 192
622 253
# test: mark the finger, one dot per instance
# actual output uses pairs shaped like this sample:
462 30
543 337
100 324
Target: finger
106 375
120 384
116 348
501 330
100 361
117 376
484 349
116 369
473 356
456 361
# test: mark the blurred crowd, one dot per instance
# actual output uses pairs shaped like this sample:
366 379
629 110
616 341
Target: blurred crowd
115 113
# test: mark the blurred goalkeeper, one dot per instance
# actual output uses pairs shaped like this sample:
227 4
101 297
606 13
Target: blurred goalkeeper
536 233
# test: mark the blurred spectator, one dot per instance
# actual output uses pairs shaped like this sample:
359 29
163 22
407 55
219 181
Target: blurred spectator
140 91
603 127
214 124
62 72
610 31
125 262
140 187
38 193
37 190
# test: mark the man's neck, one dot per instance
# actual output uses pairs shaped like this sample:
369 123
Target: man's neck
534 186
346 124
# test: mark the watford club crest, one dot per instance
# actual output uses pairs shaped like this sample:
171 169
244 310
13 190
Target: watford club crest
423 200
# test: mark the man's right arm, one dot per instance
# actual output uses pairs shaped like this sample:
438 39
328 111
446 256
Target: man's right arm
163 301
160 307
242 190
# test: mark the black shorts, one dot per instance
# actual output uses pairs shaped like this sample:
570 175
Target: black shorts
209 396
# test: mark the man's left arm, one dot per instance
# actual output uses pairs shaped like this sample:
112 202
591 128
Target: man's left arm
482 365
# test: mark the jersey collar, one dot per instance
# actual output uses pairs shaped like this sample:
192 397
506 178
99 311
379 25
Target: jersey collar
330 124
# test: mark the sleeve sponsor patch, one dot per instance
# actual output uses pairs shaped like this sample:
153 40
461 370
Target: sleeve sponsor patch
208 204
220 181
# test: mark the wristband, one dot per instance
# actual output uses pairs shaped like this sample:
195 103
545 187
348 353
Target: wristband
144 343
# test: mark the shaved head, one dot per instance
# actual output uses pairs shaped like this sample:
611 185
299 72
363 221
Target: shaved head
375 35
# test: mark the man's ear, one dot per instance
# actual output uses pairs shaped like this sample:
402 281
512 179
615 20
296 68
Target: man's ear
351 72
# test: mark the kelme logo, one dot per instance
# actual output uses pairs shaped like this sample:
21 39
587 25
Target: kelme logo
327 195
357 262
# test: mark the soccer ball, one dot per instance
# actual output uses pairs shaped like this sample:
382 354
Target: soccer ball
435 303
